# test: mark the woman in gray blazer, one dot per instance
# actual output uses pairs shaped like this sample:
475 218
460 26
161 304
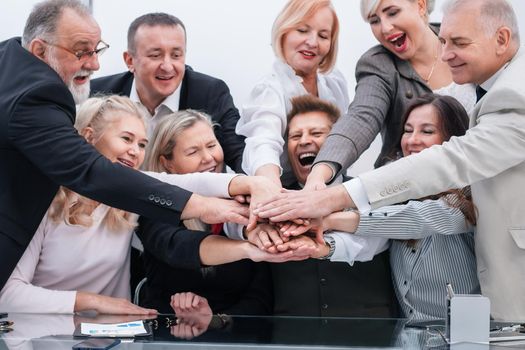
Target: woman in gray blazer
389 76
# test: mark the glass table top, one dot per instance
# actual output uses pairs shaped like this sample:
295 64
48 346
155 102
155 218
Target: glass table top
46 331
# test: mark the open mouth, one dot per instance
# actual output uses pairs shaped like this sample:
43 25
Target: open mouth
306 159
399 41
126 162
81 79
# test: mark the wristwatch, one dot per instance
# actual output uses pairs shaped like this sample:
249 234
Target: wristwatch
330 241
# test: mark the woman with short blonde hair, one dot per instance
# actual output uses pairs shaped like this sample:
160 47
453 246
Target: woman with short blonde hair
305 41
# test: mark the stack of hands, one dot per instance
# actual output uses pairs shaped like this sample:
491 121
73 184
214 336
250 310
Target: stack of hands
289 225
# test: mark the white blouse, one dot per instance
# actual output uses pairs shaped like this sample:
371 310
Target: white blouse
263 116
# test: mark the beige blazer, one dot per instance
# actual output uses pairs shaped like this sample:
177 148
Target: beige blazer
490 158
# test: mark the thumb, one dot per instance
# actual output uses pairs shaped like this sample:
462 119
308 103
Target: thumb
319 235
252 222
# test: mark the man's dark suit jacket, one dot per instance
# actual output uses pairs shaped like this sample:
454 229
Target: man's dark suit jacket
40 149
321 288
200 92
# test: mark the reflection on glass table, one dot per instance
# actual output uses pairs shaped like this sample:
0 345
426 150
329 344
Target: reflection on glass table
32 331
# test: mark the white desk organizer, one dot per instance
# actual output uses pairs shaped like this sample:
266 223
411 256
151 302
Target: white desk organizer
468 319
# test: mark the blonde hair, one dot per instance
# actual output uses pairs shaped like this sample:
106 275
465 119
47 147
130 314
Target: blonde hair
96 113
164 139
368 7
165 136
294 13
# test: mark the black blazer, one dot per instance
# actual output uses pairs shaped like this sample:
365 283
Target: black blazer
40 149
198 91
172 264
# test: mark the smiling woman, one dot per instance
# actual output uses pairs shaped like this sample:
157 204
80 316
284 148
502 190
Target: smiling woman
78 259
305 42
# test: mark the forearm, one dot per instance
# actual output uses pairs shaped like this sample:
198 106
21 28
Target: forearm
337 198
414 220
21 297
204 184
271 172
217 250
321 172
194 207
345 221
249 185
85 301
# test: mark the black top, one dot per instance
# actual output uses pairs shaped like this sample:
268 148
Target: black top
323 288
172 265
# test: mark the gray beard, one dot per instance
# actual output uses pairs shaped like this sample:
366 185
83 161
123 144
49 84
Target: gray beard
80 92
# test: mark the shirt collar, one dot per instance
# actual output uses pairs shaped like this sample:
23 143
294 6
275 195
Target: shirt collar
487 84
171 102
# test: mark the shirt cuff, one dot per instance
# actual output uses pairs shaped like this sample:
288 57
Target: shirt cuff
357 192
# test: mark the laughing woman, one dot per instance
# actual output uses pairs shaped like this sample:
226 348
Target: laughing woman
304 39
389 76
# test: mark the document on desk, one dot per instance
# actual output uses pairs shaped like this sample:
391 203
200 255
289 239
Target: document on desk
127 329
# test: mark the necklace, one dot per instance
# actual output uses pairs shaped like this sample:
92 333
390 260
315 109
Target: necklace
433 65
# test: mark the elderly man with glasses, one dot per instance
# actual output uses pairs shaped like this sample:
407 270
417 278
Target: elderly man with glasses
42 76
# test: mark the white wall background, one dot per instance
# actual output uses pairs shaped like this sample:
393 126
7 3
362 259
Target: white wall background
228 39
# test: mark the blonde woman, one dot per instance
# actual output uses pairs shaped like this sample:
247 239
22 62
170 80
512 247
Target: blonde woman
304 40
78 258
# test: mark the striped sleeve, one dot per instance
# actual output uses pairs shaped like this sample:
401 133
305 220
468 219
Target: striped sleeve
414 220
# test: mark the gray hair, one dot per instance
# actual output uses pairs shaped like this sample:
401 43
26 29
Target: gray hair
43 19
165 136
493 15
151 20
370 6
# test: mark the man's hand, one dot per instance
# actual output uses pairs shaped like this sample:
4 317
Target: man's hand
265 236
306 244
295 253
215 210
293 205
291 229
258 188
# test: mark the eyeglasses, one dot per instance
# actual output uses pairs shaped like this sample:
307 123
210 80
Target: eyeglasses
83 55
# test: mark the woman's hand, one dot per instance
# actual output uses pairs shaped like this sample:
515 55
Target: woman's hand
109 305
318 177
193 315
265 236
